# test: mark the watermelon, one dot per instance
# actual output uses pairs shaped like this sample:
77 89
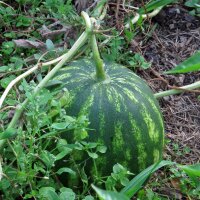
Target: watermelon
123 113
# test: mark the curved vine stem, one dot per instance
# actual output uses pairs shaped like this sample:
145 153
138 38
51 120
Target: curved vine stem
177 91
144 16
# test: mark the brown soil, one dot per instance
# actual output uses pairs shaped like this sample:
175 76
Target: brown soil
173 41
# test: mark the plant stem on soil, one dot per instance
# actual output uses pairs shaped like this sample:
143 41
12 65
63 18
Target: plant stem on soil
176 91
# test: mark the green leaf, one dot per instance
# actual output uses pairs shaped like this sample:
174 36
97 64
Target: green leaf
109 195
189 65
4 68
5 81
66 170
67 194
102 149
136 183
63 153
10 132
48 158
92 155
61 145
49 45
191 170
90 145
60 126
88 198
152 5
23 21
49 193
117 168
191 3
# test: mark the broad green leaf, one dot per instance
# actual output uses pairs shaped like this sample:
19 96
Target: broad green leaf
109 195
136 183
60 126
10 132
49 193
61 144
67 194
189 65
92 155
152 5
102 149
191 170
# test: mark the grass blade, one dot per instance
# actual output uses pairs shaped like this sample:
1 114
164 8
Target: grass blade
137 182
189 65
154 5
191 170
109 195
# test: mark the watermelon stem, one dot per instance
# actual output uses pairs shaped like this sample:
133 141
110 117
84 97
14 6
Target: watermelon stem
100 72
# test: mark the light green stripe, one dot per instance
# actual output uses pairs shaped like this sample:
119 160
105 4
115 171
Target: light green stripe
102 123
156 155
132 84
115 98
76 80
142 155
118 139
110 96
157 111
85 109
128 154
130 95
118 142
63 76
151 125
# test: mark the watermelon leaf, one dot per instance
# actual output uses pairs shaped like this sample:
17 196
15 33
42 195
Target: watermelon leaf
152 5
189 65
105 195
136 183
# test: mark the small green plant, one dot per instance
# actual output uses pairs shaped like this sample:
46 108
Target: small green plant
188 179
138 61
195 6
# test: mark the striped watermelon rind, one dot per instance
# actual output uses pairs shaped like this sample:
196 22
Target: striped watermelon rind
123 113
